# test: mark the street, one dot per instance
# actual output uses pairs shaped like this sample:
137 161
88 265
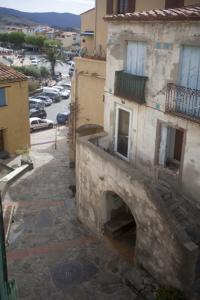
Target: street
50 254
55 108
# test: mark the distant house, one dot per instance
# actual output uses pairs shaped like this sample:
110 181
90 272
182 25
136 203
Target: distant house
14 111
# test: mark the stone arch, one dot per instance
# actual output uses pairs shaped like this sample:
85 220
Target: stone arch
119 224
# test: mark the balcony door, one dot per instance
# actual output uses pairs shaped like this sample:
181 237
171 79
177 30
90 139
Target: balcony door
189 77
122 132
136 57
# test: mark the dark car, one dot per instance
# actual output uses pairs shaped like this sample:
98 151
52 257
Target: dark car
38 113
63 117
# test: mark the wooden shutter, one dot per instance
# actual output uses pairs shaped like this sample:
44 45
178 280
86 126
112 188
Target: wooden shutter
131 6
174 3
109 9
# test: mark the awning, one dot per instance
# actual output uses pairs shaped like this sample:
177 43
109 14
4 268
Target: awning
87 33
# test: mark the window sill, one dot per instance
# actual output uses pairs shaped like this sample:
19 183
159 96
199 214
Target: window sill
3 106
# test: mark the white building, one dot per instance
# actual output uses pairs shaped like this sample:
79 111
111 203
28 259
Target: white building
147 164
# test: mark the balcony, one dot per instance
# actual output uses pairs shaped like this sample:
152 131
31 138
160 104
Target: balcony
130 87
183 102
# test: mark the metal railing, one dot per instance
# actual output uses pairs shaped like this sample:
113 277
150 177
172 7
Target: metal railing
129 86
184 102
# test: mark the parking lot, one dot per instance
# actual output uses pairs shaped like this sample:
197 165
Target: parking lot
55 108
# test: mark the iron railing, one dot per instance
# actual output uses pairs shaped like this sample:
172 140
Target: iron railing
129 86
184 102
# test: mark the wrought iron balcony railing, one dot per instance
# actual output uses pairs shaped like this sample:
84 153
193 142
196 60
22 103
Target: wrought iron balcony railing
184 102
129 86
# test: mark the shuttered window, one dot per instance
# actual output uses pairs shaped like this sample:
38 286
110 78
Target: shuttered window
109 9
190 67
2 97
136 56
131 6
174 3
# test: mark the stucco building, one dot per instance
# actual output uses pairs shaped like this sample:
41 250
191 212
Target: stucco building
140 180
14 111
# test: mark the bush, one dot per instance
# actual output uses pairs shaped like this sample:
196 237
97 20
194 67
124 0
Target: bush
169 294
33 71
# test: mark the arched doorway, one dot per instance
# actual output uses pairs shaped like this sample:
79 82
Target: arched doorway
119 225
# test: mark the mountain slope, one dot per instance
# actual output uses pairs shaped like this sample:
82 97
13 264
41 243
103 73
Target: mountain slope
47 18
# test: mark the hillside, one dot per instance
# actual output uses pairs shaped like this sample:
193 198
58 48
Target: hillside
51 19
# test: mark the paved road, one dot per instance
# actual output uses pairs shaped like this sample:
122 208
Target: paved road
51 255
56 108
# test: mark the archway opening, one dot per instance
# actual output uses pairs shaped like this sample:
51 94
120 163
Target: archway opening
120 225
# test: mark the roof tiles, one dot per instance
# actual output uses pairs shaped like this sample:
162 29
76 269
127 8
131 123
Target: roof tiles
8 74
172 14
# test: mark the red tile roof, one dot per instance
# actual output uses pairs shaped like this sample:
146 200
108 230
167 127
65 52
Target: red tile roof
8 74
189 13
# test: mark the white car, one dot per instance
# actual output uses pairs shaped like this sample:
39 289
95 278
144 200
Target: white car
34 62
37 123
65 94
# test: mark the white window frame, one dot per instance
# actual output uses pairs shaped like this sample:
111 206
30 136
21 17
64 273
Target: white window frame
118 107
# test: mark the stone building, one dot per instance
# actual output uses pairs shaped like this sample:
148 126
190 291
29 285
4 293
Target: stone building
139 181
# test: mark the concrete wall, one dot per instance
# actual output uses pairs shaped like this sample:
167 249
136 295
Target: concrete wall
14 117
160 248
88 24
89 80
101 27
162 66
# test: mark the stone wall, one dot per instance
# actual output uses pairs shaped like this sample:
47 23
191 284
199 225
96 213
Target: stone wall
163 249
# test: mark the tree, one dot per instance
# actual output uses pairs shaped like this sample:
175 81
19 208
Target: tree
17 38
53 55
35 40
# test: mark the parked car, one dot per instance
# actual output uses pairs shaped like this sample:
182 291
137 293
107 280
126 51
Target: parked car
37 123
47 100
54 90
65 94
36 103
54 96
63 117
39 113
34 62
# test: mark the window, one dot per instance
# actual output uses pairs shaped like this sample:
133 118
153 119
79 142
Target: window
136 56
171 145
2 97
1 140
122 132
109 9
125 6
34 123
174 3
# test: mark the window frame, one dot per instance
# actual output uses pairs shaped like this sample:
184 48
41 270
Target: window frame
5 98
117 108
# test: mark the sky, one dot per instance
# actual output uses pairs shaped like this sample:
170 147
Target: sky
72 6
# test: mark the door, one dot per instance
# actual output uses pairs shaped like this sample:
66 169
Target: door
189 77
178 145
122 134
136 56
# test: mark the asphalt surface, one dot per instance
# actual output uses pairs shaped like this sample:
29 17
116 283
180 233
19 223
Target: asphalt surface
56 108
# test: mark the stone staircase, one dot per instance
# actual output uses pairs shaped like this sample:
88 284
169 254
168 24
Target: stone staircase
187 215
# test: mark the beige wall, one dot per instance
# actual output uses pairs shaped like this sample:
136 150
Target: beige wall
88 24
148 5
101 27
14 118
89 91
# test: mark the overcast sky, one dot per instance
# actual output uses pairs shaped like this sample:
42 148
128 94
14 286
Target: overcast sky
72 6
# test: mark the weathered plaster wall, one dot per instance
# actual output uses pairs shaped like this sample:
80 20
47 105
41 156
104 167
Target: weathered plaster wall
160 248
162 66
89 91
14 117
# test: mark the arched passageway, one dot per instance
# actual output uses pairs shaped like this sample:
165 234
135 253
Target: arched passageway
119 225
